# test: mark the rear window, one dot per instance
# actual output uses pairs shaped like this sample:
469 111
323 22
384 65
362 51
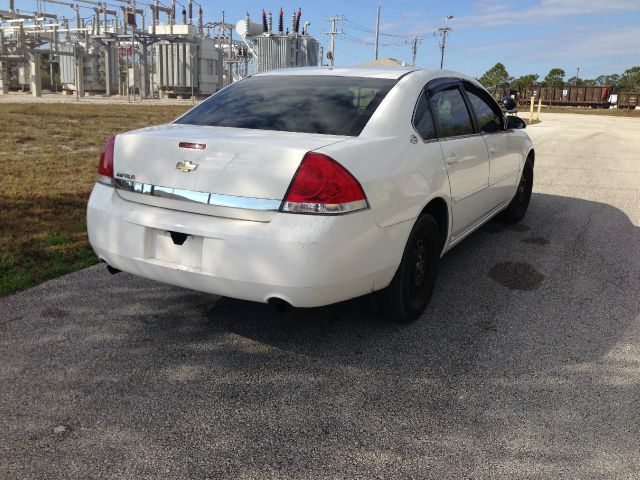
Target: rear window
295 103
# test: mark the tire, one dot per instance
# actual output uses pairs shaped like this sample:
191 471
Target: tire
409 292
518 206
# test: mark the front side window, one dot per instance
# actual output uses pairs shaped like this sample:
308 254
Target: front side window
488 115
294 103
423 119
451 112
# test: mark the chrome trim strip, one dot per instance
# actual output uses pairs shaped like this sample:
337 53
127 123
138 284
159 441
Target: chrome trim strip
204 198
247 203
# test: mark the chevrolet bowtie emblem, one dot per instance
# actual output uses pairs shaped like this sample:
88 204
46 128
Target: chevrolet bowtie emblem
186 166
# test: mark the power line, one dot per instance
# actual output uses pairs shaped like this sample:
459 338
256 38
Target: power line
364 29
361 41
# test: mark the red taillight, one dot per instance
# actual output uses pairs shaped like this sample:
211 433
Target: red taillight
105 167
323 186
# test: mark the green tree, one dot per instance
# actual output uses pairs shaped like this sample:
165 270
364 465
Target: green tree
555 78
589 83
630 80
496 76
572 81
601 80
607 80
525 81
613 80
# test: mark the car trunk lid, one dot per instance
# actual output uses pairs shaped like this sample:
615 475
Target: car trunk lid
229 172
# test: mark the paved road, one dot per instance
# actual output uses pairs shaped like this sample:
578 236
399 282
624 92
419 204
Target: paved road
525 365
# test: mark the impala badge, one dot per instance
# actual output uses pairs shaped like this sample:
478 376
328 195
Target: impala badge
186 166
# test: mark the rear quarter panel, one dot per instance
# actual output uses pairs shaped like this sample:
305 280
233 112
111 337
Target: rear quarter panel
399 177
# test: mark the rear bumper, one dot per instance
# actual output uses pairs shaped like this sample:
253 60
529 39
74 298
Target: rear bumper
305 260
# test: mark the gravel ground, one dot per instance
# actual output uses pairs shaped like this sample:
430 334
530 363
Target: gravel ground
525 365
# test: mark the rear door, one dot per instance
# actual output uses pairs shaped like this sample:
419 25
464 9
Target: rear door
503 152
465 155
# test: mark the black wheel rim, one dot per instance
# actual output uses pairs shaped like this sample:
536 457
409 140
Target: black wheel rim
418 267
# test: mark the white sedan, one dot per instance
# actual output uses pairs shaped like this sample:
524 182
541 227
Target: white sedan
311 186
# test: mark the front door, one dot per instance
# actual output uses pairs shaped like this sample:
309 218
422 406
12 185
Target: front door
503 157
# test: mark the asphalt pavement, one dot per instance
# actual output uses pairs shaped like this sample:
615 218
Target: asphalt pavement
525 365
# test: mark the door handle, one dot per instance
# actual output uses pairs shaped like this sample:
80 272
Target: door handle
452 160
493 149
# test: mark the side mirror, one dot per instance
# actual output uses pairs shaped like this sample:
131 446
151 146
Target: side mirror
515 122
509 104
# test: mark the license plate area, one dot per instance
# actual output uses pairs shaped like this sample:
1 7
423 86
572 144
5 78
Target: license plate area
173 248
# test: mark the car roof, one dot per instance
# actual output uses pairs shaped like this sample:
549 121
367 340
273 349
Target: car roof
370 72
393 73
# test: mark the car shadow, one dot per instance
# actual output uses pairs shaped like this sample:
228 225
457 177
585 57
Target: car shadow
545 278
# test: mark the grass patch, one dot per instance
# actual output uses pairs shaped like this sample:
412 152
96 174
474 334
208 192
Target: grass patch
48 159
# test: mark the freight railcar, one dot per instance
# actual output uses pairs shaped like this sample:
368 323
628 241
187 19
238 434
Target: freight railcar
628 100
570 96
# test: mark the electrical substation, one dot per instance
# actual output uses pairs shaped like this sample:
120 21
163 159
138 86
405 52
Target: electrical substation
144 50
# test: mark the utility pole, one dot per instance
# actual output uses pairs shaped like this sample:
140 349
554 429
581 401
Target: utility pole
332 34
193 60
133 51
443 42
414 47
223 42
377 31
444 31
126 62
231 54
577 76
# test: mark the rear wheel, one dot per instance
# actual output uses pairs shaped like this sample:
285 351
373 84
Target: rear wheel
410 290
520 202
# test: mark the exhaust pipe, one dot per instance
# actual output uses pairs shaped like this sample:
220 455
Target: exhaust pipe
112 270
280 304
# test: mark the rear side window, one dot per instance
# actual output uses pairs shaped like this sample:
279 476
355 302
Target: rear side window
487 113
294 103
451 112
423 119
